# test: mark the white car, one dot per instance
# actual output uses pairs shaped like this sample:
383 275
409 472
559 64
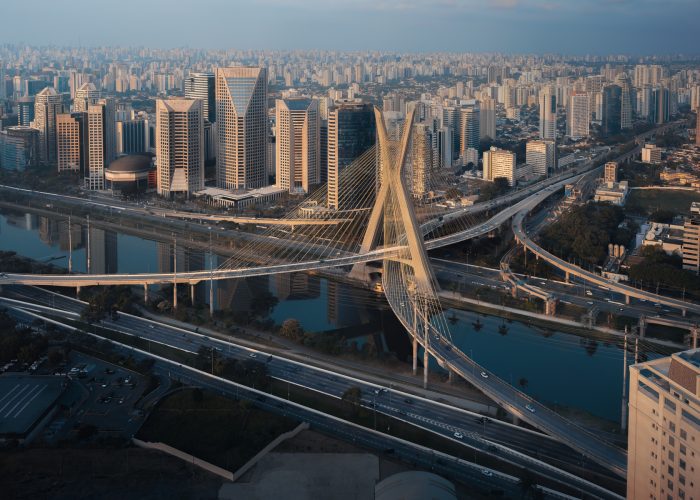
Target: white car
486 472
459 435
530 408
252 355
484 375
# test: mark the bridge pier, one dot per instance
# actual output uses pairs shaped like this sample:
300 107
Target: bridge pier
192 287
450 376
145 293
627 299
642 326
550 307
211 299
77 292
175 295
567 276
425 366
415 355
683 312
694 333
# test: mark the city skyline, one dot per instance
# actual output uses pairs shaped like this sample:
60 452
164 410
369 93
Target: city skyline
590 27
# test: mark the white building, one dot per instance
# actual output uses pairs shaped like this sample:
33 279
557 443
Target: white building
542 156
85 96
578 117
548 114
499 163
651 154
101 142
47 104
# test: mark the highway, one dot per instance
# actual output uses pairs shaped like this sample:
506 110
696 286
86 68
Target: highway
485 480
538 452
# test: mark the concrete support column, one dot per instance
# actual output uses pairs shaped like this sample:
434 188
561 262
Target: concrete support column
694 332
515 420
450 376
425 366
567 276
77 292
211 299
145 293
684 311
192 289
175 295
415 353
627 299
642 326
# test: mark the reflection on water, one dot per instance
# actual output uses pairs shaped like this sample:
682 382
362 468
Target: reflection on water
553 366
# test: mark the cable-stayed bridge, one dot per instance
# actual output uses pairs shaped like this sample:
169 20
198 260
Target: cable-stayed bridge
385 213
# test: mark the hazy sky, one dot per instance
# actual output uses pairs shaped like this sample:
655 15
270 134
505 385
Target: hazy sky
516 26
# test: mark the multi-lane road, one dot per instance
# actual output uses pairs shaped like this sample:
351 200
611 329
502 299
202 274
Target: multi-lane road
537 452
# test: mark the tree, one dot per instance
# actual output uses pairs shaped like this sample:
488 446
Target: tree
291 329
353 396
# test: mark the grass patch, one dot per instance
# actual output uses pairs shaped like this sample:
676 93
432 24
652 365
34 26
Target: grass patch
647 201
222 431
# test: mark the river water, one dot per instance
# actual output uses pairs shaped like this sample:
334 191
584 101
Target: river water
552 366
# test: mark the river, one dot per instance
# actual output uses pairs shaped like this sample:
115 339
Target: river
555 367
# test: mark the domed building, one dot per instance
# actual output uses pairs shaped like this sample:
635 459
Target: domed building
131 173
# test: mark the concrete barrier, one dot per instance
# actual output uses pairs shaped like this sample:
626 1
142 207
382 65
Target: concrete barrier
271 446
214 469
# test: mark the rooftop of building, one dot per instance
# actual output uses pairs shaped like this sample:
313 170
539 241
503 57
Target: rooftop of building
24 400
141 162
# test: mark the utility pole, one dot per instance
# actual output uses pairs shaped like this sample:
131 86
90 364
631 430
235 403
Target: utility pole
70 248
211 279
174 273
87 253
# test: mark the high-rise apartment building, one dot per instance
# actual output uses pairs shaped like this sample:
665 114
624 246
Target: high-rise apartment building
25 111
71 134
297 144
659 107
179 146
691 244
610 173
664 428
548 114
612 110
578 118
651 154
487 118
469 122
623 81
499 163
351 132
242 125
101 150
19 148
421 160
541 155
201 86
47 104
85 96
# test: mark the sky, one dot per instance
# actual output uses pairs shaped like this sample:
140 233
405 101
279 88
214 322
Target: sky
635 27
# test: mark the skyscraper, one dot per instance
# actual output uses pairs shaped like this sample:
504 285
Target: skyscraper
664 427
201 86
612 110
85 96
548 114
241 113
47 104
179 146
351 132
487 118
71 133
499 163
421 160
623 81
469 128
132 136
659 107
101 136
25 111
541 155
297 144
578 117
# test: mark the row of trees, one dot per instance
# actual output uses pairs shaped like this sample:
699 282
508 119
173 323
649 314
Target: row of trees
19 344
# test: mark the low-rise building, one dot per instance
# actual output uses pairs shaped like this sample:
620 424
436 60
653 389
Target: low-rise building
612 192
651 154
